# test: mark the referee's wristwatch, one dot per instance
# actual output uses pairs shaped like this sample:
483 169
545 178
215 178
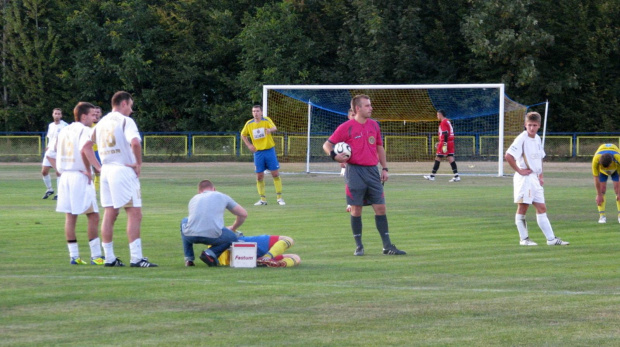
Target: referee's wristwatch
385 169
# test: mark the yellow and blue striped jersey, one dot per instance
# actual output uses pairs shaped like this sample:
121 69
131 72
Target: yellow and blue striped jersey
597 168
256 132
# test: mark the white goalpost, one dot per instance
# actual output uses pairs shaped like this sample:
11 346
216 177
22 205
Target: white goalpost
483 117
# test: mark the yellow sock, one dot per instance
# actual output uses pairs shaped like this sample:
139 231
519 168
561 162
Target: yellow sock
279 248
96 181
260 186
277 182
618 206
291 260
601 208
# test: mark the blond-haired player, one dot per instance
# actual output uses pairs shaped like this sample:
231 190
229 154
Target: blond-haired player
525 156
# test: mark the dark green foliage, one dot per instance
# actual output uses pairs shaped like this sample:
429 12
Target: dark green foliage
198 65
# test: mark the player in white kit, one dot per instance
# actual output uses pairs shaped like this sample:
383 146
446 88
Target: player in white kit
119 144
76 192
525 156
53 129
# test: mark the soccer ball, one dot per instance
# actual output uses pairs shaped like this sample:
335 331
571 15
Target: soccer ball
344 148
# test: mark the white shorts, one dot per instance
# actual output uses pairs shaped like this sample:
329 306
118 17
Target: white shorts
75 195
119 187
527 189
52 154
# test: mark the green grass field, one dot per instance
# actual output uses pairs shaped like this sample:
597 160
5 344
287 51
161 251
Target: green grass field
465 280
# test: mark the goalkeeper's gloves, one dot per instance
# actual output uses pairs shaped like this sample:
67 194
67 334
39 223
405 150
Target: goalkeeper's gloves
444 148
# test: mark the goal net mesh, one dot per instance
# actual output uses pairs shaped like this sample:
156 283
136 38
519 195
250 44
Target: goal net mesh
305 118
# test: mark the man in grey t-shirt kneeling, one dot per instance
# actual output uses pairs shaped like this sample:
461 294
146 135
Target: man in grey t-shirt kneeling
205 224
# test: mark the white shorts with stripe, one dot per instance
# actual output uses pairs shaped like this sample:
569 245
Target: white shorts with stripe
119 187
75 194
527 189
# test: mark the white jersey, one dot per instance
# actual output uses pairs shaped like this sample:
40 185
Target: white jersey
69 146
53 130
528 152
113 135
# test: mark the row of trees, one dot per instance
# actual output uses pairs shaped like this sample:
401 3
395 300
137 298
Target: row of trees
198 65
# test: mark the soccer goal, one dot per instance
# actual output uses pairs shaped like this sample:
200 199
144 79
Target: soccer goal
484 119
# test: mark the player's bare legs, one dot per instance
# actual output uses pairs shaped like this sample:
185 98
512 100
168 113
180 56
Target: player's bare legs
93 225
134 219
107 226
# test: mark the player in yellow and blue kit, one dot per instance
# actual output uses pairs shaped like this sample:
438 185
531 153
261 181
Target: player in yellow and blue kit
97 176
605 164
256 135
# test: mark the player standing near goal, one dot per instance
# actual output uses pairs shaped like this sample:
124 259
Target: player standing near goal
119 143
259 129
74 157
445 147
525 157
605 164
363 178
53 129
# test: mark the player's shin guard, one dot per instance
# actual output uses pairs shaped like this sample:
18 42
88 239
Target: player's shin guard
108 251
291 260
382 226
48 182
545 226
454 169
436 166
278 248
521 226
135 250
260 186
601 207
356 226
95 247
277 183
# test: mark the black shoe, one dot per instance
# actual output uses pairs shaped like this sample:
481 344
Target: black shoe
189 263
209 258
116 262
144 262
392 250
359 251
55 197
47 194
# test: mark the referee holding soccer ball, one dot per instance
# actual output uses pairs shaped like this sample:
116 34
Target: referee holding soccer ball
363 178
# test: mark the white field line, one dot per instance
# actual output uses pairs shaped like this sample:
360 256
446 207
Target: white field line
317 284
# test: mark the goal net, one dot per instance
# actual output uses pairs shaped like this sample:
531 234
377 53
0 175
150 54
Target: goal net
484 119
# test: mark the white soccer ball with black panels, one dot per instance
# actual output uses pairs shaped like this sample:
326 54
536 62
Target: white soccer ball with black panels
343 148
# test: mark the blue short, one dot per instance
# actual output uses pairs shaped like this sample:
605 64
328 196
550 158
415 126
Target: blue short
603 178
266 160
262 243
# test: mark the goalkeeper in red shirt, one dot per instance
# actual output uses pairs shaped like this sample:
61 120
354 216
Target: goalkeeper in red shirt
445 147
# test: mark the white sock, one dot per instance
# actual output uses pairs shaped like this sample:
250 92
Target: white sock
521 226
545 226
95 248
108 249
135 250
48 182
74 251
